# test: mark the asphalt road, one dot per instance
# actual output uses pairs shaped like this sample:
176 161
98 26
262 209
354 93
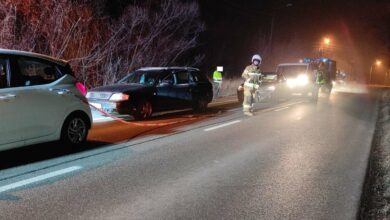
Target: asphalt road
296 160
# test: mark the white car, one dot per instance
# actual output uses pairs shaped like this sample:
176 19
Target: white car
40 101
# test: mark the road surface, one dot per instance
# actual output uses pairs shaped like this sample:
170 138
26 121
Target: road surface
295 160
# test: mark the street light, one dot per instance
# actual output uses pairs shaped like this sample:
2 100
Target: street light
325 43
378 63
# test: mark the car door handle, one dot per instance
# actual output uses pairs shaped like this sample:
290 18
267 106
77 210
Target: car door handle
7 97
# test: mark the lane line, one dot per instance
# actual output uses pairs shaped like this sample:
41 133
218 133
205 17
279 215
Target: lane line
38 178
281 109
222 125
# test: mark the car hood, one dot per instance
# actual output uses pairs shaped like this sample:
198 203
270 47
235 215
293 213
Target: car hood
121 88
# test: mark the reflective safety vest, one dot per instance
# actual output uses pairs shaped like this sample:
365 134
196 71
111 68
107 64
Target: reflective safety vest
320 77
217 76
253 80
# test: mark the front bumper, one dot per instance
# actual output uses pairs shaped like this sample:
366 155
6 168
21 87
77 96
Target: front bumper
120 108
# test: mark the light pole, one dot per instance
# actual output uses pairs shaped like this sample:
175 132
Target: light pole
271 35
378 63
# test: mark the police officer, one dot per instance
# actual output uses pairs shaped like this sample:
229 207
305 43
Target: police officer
251 75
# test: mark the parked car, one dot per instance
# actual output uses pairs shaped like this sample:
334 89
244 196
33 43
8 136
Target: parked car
40 101
155 89
273 86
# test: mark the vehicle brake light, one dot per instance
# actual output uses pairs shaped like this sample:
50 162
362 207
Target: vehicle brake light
81 87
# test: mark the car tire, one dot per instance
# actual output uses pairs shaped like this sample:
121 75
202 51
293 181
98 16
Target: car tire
199 105
75 129
143 110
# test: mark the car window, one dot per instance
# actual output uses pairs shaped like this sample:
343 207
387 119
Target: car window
3 73
170 78
141 77
199 77
182 78
34 72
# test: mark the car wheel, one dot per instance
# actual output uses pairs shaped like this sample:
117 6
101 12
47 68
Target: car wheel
199 105
75 130
144 110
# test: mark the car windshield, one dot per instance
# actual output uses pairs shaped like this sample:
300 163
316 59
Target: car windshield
293 70
140 77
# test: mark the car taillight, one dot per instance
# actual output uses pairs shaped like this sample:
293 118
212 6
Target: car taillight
81 87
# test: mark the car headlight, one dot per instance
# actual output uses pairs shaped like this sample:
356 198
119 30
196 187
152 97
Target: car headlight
271 88
302 80
119 97
291 83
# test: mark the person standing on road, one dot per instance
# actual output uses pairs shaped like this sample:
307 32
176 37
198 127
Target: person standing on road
251 76
217 78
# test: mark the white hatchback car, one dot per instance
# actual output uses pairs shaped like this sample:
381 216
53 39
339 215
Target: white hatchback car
40 101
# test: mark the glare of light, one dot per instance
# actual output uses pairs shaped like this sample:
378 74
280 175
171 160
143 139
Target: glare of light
119 97
291 83
300 80
378 62
271 88
327 40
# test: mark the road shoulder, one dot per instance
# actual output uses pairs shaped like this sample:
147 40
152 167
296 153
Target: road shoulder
375 203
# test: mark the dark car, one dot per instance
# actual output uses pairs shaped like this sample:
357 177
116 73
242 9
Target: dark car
154 89
273 86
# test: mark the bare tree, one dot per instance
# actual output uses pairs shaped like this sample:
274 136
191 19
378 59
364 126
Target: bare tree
101 49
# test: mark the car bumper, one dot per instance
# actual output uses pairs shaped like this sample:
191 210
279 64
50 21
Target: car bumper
120 108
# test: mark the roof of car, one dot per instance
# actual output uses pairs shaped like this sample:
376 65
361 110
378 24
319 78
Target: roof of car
167 68
31 54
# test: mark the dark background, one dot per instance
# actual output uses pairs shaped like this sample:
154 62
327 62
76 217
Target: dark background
235 30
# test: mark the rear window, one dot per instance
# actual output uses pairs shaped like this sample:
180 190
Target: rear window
37 72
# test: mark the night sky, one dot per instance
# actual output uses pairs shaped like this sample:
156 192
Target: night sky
359 29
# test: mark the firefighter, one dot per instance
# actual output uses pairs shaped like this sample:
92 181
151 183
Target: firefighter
251 76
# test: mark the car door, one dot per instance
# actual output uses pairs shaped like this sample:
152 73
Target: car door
13 112
165 95
36 93
183 89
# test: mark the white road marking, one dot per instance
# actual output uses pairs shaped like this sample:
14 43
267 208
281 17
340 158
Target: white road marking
222 125
38 178
280 109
